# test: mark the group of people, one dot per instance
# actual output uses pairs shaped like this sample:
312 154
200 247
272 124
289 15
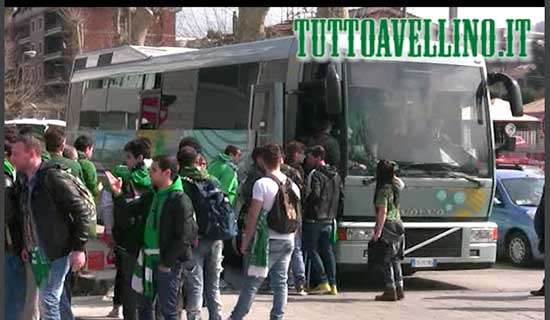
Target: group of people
160 218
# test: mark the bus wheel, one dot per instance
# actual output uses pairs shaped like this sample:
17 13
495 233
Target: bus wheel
518 249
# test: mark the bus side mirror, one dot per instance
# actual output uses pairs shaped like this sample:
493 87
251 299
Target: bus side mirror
513 91
333 92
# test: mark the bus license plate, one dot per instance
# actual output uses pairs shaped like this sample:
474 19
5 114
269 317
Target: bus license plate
423 263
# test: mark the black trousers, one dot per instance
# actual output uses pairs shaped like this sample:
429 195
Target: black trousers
126 263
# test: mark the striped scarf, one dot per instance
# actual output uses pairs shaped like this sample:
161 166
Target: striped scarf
149 255
259 254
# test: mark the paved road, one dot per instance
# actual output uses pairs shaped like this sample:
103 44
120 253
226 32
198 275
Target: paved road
499 293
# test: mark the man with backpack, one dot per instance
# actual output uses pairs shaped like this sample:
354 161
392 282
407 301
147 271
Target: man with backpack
55 222
217 222
165 244
321 206
268 240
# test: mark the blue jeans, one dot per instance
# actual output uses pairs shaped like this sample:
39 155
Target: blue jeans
15 283
54 303
280 252
319 250
167 285
393 275
204 280
297 260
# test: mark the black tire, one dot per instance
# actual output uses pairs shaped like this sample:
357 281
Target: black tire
518 249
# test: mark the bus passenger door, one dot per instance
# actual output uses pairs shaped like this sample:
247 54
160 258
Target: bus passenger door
266 113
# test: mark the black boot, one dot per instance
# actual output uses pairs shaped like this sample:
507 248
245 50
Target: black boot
538 293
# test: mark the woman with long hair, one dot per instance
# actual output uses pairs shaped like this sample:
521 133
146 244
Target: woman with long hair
389 230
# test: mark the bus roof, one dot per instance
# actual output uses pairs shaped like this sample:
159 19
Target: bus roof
265 50
271 49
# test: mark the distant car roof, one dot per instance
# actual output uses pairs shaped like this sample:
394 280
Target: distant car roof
514 174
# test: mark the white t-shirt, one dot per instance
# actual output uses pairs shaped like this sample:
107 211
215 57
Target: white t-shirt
265 190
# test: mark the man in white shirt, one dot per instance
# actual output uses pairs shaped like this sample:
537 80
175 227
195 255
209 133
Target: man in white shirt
280 245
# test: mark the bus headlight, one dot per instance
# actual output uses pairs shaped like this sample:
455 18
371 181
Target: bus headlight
355 234
483 235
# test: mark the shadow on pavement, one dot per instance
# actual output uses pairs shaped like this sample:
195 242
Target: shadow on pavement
482 298
491 309
353 282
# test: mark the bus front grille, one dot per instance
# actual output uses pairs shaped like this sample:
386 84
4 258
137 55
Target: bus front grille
448 246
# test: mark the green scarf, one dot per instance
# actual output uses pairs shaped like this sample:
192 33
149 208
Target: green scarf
259 253
149 256
194 173
40 266
9 169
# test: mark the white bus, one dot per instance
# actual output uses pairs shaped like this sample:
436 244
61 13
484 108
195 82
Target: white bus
430 115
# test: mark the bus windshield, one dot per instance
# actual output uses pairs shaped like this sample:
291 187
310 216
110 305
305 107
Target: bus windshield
429 118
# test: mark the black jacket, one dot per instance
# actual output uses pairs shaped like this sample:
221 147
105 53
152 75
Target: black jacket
178 227
324 193
12 217
539 219
62 218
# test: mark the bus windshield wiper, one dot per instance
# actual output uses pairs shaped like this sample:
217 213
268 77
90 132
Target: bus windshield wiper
439 168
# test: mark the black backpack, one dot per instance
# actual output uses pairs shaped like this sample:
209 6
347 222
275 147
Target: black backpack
215 215
284 216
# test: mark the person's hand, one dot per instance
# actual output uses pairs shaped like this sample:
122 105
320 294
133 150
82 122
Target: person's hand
164 269
114 182
25 255
376 236
78 260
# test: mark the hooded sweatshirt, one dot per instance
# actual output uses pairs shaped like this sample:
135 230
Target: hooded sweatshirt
226 173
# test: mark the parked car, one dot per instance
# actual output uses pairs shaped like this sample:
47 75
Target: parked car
517 196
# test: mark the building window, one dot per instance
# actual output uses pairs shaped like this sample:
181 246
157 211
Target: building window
105 59
80 63
40 47
40 23
32 26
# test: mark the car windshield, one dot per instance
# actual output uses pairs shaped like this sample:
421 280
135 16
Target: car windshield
429 118
524 191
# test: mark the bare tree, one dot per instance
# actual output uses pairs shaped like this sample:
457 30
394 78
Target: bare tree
332 12
132 24
251 24
22 81
75 19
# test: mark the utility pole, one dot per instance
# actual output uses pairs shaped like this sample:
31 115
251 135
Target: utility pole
453 11
129 26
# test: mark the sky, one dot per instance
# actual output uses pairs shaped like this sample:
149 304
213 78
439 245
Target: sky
193 22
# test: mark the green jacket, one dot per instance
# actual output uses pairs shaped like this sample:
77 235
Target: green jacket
226 173
74 166
89 173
